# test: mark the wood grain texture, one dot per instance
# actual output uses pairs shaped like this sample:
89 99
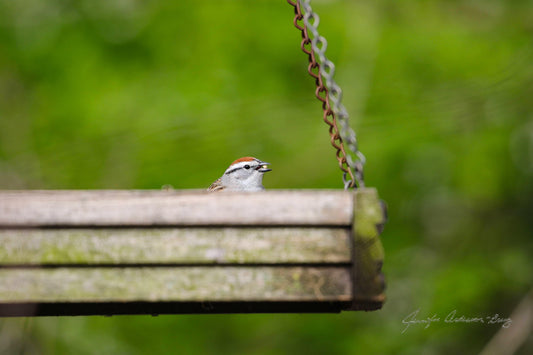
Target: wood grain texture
174 246
136 252
184 284
369 281
175 208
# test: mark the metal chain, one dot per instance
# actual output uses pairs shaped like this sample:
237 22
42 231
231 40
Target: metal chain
330 95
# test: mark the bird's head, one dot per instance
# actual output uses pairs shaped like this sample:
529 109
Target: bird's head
245 174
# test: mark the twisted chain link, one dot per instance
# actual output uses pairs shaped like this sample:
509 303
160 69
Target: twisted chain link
330 94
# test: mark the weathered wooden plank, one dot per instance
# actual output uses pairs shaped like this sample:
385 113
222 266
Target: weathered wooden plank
172 245
368 282
138 252
173 208
184 284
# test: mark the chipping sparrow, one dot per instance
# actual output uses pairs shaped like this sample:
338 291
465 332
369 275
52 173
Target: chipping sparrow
244 174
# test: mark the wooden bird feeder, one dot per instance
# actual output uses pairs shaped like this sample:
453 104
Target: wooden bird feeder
170 252
164 252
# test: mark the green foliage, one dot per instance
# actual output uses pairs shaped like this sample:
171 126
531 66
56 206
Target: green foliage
138 94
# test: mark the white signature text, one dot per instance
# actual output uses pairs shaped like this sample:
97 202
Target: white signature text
414 319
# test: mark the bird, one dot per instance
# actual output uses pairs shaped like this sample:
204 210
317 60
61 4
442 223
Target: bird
244 174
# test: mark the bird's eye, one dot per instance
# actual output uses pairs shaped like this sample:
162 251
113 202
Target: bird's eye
247 167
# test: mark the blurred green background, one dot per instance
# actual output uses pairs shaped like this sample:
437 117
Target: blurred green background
130 94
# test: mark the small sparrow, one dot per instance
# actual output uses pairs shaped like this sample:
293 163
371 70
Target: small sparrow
244 174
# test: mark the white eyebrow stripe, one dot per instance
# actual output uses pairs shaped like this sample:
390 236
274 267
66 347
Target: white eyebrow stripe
240 165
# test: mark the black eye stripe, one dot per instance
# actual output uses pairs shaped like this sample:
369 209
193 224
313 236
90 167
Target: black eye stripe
231 171
240 167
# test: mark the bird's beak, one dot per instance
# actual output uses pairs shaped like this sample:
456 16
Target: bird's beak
263 168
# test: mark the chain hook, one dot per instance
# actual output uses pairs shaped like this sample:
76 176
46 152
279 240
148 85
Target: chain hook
347 183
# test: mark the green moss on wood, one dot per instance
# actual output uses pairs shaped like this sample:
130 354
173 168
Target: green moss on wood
175 284
186 245
369 253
